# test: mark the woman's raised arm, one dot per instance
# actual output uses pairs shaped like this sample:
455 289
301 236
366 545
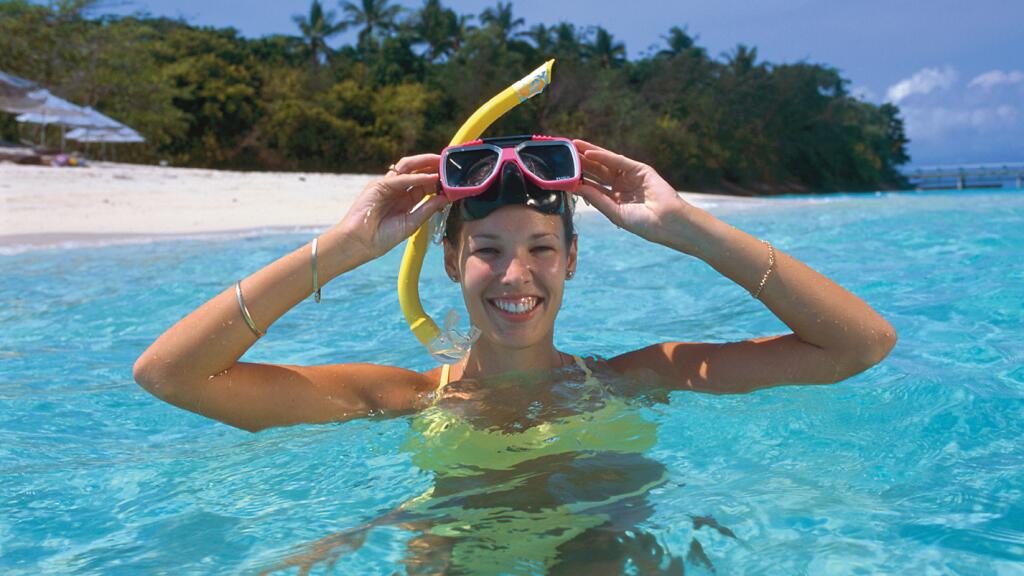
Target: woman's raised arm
835 334
194 364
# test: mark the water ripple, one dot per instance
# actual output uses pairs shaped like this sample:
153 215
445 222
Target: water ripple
912 467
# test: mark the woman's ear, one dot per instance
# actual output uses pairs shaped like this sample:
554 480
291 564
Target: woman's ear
571 266
451 260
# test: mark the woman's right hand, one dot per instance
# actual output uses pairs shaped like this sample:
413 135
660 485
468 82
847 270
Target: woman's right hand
383 215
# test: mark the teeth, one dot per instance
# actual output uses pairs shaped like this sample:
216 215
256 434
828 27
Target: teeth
516 305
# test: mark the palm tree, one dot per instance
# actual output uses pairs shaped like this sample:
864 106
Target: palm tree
567 41
606 50
742 59
462 29
377 17
678 42
500 18
542 37
316 29
440 28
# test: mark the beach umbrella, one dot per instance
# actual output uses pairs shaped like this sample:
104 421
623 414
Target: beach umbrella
120 135
56 110
11 84
68 115
18 95
76 117
103 129
96 120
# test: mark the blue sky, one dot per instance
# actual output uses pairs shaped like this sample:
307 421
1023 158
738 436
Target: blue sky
955 68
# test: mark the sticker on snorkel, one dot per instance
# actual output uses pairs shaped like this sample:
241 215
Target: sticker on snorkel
532 85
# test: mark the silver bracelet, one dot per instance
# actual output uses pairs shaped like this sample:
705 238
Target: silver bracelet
245 311
316 279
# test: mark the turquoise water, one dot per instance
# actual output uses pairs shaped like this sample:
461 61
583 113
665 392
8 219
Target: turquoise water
913 467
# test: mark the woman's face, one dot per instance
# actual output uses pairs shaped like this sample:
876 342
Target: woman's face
512 266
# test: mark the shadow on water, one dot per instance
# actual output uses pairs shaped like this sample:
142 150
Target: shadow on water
545 476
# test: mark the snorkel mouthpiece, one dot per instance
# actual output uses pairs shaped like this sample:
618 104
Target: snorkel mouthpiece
450 346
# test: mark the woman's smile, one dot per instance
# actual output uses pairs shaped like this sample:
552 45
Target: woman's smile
516 308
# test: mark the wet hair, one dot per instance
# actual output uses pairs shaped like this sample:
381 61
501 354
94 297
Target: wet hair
453 226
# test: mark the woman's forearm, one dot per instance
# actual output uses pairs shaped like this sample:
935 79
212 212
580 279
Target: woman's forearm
213 337
817 310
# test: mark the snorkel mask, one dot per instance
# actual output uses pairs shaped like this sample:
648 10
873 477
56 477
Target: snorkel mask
450 345
534 171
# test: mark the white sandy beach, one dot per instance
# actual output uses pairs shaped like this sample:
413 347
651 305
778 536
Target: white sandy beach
42 204
50 206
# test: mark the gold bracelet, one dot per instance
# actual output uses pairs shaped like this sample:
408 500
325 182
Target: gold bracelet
771 267
245 311
316 279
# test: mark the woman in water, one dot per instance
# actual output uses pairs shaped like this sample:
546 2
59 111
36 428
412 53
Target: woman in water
512 265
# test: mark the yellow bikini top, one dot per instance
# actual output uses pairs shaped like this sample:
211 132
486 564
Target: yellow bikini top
447 368
448 444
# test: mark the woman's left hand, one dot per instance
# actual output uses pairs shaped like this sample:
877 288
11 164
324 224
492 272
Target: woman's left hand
639 200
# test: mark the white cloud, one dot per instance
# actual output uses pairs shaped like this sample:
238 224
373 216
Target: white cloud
936 122
980 117
994 78
925 81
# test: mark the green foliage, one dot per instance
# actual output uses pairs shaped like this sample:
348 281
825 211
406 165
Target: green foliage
208 97
605 51
438 28
317 28
501 22
216 86
375 18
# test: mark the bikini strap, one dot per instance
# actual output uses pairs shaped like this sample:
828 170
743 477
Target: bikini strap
443 381
446 370
583 365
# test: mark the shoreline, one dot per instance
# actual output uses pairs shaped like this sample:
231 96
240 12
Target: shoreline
121 199
11 244
106 204
43 207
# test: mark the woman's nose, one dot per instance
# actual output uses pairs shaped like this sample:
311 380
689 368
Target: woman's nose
518 270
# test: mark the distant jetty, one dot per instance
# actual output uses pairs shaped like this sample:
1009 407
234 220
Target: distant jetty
967 176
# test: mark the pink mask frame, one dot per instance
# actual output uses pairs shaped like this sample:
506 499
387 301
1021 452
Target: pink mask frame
510 154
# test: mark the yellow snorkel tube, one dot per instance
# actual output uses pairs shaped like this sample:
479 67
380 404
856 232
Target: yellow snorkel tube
449 346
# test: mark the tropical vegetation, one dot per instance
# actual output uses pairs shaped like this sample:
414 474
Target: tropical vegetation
210 97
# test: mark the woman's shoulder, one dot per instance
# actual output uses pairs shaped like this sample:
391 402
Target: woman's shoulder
433 375
628 374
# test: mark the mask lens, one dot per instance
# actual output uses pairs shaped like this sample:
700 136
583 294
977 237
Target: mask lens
468 168
549 161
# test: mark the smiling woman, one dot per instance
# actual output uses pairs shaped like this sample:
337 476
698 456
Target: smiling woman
517 430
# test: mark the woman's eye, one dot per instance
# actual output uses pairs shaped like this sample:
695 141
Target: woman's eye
543 249
485 251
